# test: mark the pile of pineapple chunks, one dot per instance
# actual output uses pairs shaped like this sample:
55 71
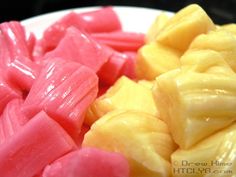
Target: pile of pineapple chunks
178 118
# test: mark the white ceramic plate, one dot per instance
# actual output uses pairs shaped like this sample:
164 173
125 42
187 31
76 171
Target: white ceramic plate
135 19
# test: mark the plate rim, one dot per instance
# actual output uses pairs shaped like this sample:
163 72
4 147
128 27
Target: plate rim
33 21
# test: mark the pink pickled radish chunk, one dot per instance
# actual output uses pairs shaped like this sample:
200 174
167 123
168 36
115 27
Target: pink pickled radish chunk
31 42
13 43
111 70
12 119
64 90
79 47
37 144
118 64
22 73
129 68
102 20
90 22
120 40
7 92
88 162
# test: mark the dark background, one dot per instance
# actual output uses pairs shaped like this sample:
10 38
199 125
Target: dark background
221 11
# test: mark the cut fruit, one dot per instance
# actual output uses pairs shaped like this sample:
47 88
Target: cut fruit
229 27
13 43
64 90
142 138
22 73
120 40
124 94
37 144
220 41
156 27
199 101
214 156
184 26
12 120
113 68
88 162
90 22
79 47
155 59
7 92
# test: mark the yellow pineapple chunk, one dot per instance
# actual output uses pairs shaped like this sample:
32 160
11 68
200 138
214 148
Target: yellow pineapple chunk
124 94
146 83
219 41
207 61
154 59
156 27
196 102
182 28
142 138
215 156
229 27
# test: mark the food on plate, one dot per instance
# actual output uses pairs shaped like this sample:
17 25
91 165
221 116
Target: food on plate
142 138
38 143
124 94
22 73
12 119
88 162
64 90
155 59
198 99
119 64
229 27
13 43
79 47
90 22
87 98
7 92
156 27
184 26
214 156
220 41
146 83
120 40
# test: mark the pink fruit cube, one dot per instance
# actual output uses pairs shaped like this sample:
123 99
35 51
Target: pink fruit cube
80 47
38 143
12 119
13 43
64 90
111 70
7 92
120 40
89 162
92 21
119 64
22 73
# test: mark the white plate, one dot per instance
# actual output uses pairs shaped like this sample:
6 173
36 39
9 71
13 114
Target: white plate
135 19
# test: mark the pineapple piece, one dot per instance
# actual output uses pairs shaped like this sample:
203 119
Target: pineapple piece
182 28
146 83
154 59
156 27
219 41
205 61
124 94
196 101
142 138
229 27
214 156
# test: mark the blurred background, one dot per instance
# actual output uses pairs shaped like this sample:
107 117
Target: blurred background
221 11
